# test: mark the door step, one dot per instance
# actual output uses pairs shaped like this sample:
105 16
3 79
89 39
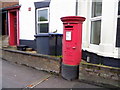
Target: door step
25 48
22 47
29 49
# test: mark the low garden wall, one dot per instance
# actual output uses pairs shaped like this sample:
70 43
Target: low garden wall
99 74
38 61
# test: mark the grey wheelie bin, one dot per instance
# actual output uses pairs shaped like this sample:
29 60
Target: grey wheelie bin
49 43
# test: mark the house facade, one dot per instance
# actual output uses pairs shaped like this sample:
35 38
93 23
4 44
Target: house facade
100 35
101 32
42 16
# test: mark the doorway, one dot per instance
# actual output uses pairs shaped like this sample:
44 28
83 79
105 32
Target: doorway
4 24
13 28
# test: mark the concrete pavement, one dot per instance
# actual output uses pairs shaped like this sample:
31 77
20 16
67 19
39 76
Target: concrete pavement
19 76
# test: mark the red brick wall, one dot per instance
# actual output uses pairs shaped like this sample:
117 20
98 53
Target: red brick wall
8 3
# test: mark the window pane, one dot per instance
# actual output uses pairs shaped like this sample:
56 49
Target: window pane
95 32
119 8
96 9
118 33
43 28
43 15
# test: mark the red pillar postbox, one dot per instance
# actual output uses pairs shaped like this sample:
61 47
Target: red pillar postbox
71 49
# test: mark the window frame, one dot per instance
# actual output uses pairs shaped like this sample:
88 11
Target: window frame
42 22
118 16
93 19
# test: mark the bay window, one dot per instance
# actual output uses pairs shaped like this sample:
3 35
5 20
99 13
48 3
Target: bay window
96 14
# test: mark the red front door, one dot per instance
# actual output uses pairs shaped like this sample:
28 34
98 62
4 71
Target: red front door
13 28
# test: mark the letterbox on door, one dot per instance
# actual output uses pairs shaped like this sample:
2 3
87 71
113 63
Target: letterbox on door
71 49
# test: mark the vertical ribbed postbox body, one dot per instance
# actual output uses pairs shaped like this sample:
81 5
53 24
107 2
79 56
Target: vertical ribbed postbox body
71 49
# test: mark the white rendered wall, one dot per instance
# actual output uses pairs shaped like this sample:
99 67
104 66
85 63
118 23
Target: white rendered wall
27 19
108 28
83 10
58 9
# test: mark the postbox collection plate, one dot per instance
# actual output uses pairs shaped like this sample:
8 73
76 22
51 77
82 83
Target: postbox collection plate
68 35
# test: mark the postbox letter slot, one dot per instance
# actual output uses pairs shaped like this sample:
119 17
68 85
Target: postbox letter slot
68 26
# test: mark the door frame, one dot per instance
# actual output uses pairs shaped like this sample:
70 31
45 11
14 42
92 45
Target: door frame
10 12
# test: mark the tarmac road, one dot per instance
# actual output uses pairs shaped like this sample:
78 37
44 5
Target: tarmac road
19 76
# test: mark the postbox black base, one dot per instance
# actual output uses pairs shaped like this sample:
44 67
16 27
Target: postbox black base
70 72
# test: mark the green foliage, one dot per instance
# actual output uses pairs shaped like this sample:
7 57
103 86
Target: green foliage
60 56
42 19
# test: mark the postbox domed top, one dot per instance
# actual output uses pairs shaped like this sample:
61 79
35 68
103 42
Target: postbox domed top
73 19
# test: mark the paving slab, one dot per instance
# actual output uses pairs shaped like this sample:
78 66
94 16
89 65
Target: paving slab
17 76
58 82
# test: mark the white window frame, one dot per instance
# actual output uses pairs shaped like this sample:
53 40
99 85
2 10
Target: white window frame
93 47
42 22
118 16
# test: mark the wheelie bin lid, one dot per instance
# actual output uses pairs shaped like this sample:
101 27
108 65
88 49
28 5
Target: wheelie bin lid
41 35
57 34
47 34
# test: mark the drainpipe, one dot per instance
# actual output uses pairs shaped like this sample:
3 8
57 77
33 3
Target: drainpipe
76 8
0 22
